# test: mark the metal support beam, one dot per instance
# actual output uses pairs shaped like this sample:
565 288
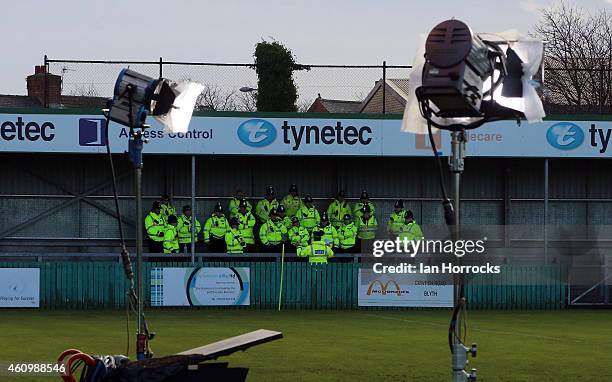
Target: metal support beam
193 207
546 211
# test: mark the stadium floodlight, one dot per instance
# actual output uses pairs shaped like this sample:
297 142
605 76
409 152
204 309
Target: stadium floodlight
135 97
461 80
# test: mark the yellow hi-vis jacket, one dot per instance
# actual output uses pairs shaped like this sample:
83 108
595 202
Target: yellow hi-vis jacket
292 204
309 217
336 212
367 229
166 210
298 236
272 233
184 229
234 241
317 252
263 207
395 221
410 231
347 235
171 244
357 211
154 225
233 207
215 227
246 224
330 235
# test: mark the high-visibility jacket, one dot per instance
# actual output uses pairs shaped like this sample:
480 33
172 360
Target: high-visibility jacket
347 234
245 227
215 227
357 210
272 233
166 210
298 236
395 221
367 229
184 229
410 231
262 210
292 204
287 222
317 252
234 241
171 244
330 235
154 225
309 217
336 212
233 207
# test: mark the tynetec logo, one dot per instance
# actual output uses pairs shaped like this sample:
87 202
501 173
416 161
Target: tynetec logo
26 131
565 136
92 132
256 132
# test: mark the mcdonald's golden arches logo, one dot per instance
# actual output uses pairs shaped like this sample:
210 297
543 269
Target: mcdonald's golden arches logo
384 287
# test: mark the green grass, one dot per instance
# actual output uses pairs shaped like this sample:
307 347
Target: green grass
339 345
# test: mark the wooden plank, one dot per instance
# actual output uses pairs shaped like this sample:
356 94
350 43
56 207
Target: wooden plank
239 343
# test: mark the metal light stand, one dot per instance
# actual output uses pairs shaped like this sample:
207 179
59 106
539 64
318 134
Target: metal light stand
460 351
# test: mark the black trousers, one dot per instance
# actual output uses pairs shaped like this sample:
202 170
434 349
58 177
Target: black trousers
249 248
276 248
156 246
217 245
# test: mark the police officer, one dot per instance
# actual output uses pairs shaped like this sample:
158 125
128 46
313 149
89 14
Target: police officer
317 252
246 222
184 229
234 203
347 235
338 209
364 200
283 217
366 228
292 201
171 244
155 226
297 235
262 210
233 240
308 214
215 228
166 207
396 219
272 233
410 229
330 235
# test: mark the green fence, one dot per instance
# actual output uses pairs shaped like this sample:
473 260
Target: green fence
102 284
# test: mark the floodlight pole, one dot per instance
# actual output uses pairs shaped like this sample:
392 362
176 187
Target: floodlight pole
457 165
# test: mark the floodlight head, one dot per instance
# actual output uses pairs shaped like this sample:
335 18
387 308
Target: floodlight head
460 79
137 95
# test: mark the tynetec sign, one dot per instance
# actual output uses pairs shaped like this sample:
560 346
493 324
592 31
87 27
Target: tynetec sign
66 133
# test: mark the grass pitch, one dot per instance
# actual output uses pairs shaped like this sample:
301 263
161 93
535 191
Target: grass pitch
338 345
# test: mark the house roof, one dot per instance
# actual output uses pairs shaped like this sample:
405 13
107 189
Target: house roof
395 87
337 105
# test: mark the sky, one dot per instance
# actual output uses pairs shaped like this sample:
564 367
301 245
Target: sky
356 32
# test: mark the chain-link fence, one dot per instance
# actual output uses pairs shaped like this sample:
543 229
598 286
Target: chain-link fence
223 81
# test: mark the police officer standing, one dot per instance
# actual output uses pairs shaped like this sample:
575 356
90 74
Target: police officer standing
347 235
364 200
308 214
292 201
317 252
330 235
410 229
283 217
246 222
396 219
297 235
155 226
184 229
338 209
366 228
215 228
234 203
166 207
262 210
233 240
171 244
272 233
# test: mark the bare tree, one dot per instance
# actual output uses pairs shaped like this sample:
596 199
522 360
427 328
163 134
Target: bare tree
246 101
578 58
214 98
83 90
304 104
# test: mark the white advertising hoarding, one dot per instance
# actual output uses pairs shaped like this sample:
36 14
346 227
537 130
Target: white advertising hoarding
19 287
405 289
234 135
200 286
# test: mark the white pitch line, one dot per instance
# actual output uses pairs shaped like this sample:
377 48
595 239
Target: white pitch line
478 329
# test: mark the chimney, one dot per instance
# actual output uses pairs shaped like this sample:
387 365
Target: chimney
49 95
